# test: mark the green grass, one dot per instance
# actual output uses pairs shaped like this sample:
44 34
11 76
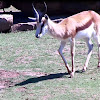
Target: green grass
42 74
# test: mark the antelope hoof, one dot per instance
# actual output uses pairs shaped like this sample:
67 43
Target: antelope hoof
98 65
69 72
72 74
84 69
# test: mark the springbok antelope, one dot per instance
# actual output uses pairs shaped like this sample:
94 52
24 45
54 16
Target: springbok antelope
83 25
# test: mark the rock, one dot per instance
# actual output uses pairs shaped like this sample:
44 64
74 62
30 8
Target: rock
6 21
23 26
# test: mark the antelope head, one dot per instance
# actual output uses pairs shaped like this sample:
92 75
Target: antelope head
41 19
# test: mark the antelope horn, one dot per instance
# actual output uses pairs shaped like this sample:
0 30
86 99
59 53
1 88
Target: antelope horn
37 15
45 7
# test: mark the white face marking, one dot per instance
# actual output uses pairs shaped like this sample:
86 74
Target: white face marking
87 33
42 28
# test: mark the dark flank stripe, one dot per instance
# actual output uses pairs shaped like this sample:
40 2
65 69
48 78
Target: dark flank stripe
84 26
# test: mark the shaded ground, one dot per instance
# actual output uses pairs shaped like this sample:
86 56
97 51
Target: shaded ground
7 78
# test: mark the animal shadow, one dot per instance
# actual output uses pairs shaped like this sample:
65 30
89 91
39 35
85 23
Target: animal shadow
41 78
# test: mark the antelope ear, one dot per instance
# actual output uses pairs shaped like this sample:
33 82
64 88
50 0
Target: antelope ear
46 16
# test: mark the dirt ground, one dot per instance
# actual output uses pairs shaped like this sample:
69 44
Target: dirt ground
7 77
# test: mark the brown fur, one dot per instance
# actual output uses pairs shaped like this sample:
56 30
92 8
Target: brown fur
78 22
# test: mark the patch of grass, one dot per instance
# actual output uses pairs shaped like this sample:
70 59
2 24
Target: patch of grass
42 74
